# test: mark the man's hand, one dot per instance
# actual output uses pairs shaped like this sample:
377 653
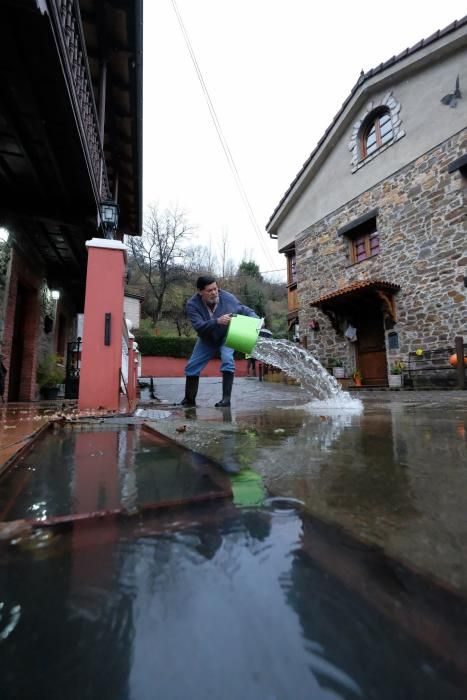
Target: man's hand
225 319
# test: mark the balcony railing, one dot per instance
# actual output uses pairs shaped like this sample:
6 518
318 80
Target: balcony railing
69 28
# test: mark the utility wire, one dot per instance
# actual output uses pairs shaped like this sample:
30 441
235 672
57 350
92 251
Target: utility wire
221 136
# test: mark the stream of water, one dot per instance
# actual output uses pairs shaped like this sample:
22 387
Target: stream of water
300 364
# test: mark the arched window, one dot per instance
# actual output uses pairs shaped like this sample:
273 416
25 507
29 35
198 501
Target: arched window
377 130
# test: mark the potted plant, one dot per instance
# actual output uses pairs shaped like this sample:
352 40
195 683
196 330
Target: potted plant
50 374
357 377
395 376
337 367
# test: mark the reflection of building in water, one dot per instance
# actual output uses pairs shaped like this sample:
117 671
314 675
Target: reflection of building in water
96 483
433 454
392 477
342 467
371 638
128 445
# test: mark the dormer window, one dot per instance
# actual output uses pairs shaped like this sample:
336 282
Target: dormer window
378 128
377 131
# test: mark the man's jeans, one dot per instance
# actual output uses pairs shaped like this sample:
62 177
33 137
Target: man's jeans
202 353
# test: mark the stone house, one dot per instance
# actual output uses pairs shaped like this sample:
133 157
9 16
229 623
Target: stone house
374 226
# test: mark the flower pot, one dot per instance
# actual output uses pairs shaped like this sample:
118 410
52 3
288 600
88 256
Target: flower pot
357 381
395 381
338 372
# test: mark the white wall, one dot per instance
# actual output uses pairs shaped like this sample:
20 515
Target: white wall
426 121
132 310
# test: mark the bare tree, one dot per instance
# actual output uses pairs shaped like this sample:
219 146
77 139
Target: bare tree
200 259
160 253
223 246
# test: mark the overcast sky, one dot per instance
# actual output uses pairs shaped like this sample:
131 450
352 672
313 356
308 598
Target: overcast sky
277 72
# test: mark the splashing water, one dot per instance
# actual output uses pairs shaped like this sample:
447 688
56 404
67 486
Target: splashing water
302 365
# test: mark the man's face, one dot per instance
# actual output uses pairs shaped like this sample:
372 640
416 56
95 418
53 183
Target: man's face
210 294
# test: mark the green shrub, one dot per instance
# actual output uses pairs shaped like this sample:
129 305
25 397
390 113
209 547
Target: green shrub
165 346
50 372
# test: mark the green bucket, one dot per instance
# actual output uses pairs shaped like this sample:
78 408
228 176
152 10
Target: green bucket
243 333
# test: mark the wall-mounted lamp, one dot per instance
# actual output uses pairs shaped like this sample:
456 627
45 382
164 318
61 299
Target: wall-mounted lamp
55 294
109 218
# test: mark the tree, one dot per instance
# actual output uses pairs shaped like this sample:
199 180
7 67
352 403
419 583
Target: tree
160 254
249 268
175 308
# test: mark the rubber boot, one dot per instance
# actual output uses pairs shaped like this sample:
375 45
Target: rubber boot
191 389
227 381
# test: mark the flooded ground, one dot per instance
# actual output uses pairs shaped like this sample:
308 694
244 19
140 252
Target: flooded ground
394 475
220 602
80 470
348 580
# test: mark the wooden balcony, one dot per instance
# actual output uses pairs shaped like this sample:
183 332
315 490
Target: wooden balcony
292 299
66 20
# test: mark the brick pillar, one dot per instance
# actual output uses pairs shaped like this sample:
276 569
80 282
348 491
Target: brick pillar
101 357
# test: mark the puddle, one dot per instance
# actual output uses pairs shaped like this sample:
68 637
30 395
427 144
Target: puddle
393 475
220 603
105 469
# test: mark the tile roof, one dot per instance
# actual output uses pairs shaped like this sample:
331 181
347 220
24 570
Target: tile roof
362 78
359 284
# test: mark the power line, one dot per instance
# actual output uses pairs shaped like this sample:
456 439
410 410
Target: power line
222 139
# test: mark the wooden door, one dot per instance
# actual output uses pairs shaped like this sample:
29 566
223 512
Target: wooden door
371 348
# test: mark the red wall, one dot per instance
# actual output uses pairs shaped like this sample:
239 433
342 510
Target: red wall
174 366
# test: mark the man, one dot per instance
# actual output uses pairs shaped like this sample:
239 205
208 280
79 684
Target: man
210 311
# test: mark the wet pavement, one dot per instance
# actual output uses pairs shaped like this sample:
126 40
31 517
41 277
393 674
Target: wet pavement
221 603
393 475
345 577
84 471
18 424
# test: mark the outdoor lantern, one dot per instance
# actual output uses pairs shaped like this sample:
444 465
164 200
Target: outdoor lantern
55 294
109 217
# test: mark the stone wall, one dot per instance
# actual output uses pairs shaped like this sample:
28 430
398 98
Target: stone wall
422 225
40 336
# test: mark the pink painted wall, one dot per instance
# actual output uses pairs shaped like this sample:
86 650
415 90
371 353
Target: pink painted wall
174 367
99 384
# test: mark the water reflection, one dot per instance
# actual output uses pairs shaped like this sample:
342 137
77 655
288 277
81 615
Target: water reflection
107 470
392 476
214 603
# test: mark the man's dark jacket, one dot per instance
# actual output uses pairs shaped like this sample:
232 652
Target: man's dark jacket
207 328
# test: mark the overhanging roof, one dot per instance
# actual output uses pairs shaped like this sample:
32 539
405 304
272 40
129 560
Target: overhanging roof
114 29
355 289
